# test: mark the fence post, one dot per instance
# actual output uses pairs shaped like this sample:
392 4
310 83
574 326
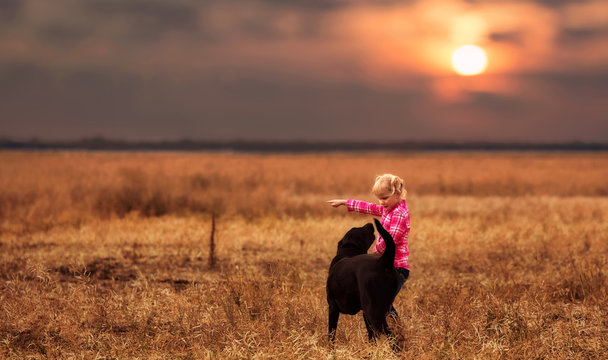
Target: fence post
212 259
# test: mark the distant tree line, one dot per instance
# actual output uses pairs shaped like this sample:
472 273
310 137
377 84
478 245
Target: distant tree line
103 144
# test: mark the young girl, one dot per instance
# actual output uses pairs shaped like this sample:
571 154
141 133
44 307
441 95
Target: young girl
394 217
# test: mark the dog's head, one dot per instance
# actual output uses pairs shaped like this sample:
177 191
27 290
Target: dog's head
357 240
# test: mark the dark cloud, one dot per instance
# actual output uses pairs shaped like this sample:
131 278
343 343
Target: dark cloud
558 3
64 34
546 3
498 104
261 26
583 83
513 37
90 102
262 21
47 103
331 5
574 103
10 11
318 5
554 4
159 11
146 19
569 36
41 101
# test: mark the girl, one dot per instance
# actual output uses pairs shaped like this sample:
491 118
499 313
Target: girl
394 217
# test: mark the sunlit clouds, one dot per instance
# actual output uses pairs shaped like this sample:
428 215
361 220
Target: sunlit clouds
313 69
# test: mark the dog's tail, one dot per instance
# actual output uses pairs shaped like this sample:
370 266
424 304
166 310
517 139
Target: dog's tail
388 258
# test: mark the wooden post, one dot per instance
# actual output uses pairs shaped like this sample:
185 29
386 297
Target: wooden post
212 242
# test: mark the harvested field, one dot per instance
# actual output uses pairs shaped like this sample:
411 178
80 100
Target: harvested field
107 255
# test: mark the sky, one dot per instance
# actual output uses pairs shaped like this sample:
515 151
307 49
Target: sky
311 70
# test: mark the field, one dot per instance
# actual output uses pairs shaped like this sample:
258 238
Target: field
109 255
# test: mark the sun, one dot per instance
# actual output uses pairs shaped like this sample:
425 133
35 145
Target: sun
469 60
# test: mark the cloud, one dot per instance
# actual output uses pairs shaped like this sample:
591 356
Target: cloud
91 101
492 103
558 3
546 3
316 5
64 34
41 101
10 11
511 37
308 69
156 12
145 20
569 36
37 101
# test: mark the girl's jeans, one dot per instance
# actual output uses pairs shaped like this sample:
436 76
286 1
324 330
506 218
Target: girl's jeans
403 275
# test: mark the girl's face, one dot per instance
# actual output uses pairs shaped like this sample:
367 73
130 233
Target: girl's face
387 200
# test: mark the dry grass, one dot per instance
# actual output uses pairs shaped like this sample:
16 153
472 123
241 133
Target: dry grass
105 255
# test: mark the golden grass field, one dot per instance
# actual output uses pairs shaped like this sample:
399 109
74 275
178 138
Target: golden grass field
106 255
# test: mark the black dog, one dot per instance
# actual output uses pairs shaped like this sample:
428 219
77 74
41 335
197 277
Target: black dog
361 281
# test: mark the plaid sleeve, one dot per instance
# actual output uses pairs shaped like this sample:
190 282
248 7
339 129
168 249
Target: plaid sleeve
364 207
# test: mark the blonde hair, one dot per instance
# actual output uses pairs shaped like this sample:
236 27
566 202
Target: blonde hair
390 183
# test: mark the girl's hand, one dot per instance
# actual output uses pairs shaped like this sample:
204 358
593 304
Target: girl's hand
336 203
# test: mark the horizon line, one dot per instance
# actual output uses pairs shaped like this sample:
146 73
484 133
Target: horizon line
241 145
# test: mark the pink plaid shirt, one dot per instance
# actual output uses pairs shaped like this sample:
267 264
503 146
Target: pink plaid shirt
396 221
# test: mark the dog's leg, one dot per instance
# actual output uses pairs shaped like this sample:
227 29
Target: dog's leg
385 329
377 322
370 330
334 314
379 325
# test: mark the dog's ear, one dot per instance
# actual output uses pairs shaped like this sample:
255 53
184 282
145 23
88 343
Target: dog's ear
369 239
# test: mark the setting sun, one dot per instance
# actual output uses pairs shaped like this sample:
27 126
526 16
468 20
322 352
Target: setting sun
469 60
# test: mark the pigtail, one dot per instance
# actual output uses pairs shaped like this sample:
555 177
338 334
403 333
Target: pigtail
397 184
402 187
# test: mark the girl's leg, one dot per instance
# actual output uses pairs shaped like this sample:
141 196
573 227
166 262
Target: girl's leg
403 275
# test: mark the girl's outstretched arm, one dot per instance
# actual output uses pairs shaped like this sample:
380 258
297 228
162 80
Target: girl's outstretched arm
336 203
364 207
